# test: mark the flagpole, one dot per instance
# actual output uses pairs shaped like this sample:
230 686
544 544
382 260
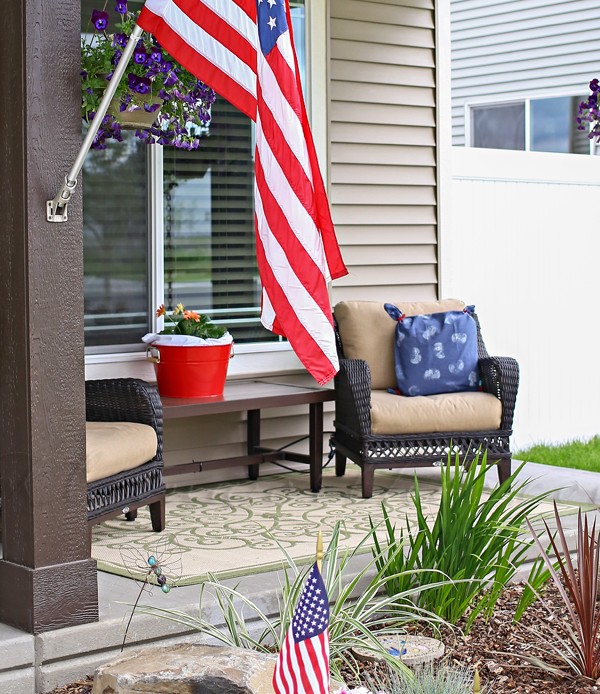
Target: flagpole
56 209
319 550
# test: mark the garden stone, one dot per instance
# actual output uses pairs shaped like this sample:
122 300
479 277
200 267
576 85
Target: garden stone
189 669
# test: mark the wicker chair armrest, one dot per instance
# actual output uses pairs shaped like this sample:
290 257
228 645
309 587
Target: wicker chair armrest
353 395
500 376
125 400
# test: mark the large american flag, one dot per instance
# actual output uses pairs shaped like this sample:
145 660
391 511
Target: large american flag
244 50
303 663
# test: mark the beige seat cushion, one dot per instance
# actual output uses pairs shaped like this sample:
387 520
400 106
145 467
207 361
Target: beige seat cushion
113 447
367 332
397 414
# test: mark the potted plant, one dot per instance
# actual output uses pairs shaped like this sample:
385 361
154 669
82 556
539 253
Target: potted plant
157 97
190 354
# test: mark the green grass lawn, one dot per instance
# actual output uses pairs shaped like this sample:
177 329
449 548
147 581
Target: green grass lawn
583 455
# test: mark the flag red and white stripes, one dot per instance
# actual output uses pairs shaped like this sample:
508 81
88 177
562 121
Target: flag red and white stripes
244 50
303 663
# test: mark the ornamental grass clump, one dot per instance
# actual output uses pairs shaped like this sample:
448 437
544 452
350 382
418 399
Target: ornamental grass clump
429 678
359 610
153 83
577 638
476 540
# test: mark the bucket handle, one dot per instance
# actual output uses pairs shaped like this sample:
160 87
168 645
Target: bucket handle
150 356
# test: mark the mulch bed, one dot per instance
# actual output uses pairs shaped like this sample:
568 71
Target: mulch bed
495 647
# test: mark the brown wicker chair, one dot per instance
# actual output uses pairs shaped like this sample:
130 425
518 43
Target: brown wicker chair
354 438
127 400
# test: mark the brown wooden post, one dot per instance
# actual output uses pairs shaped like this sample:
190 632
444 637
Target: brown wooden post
47 579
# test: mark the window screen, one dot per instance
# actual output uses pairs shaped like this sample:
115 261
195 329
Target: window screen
501 126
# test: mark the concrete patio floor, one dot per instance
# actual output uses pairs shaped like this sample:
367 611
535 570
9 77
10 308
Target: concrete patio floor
35 664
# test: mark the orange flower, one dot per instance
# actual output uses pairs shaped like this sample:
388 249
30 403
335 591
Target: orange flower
191 315
160 311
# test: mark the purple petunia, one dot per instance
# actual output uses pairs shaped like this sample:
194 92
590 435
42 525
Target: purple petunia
120 40
100 19
140 85
170 79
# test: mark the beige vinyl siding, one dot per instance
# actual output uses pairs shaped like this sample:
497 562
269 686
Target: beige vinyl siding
520 48
382 132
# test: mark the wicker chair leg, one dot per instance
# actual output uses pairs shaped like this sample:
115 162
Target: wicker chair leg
504 470
340 464
157 515
131 515
368 475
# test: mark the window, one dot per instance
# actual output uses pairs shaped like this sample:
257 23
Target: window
540 125
174 226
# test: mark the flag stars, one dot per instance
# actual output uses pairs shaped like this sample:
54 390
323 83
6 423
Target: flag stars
272 22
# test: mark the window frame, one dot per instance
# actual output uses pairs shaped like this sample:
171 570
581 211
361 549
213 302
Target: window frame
257 358
516 99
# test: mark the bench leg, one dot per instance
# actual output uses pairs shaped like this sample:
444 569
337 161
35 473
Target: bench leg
131 515
368 475
157 515
252 440
315 445
340 464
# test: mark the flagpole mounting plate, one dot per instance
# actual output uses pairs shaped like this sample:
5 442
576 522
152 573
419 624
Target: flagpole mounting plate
57 208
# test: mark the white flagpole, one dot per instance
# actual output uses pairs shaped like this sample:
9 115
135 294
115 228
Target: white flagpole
56 209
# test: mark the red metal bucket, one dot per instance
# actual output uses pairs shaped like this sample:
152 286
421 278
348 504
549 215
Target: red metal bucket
190 372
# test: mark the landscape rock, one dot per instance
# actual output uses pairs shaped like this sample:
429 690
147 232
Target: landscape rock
189 669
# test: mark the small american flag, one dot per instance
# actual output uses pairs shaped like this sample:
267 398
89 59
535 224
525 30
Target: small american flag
244 50
303 663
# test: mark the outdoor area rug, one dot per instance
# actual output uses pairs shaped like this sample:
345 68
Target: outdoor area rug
233 528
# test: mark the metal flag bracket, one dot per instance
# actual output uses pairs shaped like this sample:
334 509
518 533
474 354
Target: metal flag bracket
57 208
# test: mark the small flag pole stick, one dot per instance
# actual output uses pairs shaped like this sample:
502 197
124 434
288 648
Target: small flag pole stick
319 550
56 209
476 682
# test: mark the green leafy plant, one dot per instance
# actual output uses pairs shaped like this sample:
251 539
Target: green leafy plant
184 322
475 540
578 638
359 609
539 575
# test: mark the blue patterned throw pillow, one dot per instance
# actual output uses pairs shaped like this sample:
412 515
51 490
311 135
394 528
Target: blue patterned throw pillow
435 353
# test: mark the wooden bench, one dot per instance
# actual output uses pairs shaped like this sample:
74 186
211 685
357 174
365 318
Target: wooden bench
252 396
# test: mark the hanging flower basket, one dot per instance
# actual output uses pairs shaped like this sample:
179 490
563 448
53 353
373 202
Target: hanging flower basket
157 97
135 117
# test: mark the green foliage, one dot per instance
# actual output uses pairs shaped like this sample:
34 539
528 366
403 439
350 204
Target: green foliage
538 577
581 455
475 540
359 608
578 636
428 679
184 322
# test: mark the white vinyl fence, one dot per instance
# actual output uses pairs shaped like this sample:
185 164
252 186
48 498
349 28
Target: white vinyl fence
521 241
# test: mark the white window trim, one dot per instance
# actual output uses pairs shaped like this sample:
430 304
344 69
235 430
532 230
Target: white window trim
254 359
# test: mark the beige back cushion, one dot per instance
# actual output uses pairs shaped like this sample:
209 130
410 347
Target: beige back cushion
113 447
367 332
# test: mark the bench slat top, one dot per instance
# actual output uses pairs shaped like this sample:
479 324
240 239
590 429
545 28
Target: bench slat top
247 394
